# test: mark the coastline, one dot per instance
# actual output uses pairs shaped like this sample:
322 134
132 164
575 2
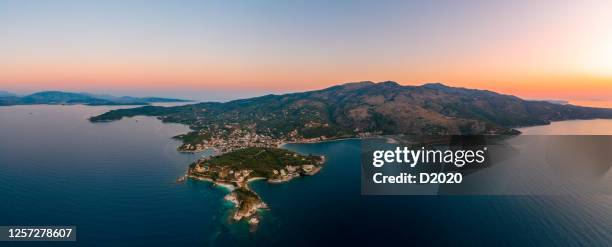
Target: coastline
247 202
228 186
214 150
255 179
557 121
282 144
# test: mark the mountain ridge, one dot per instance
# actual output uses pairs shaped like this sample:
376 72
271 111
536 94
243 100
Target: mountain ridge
361 109
61 97
6 94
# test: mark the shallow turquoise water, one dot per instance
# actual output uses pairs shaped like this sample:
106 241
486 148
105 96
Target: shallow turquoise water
116 183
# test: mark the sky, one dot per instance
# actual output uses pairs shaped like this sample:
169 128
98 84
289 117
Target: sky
226 49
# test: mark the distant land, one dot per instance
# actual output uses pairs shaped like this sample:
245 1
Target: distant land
68 98
6 94
246 133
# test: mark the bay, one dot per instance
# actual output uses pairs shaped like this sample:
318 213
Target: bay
116 182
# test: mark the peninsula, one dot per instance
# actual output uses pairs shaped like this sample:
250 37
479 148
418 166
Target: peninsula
238 168
246 133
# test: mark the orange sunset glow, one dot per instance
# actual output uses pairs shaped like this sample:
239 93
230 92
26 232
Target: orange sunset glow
555 50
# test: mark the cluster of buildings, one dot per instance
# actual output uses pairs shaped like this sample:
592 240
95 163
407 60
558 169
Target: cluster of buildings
229 139
289 172
233 137
224 173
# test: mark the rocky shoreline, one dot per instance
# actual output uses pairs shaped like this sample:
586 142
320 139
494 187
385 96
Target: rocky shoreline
247 203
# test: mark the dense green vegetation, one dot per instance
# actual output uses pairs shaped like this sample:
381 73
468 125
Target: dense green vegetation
261 160
246 197
193 137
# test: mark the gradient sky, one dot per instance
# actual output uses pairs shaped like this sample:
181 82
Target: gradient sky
533 49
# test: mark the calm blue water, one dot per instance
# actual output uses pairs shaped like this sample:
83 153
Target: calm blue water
116 183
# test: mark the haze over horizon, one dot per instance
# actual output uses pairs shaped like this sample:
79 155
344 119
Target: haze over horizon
558 50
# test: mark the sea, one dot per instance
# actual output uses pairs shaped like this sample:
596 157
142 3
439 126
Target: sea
117 183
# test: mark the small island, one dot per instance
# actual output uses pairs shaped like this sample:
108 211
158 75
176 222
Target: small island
237 168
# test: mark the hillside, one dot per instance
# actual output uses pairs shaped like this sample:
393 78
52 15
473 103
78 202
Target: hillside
364 108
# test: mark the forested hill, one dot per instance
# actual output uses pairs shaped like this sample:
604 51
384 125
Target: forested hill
370 108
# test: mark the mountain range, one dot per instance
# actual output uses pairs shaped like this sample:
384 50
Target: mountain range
360 108
57 98
6 94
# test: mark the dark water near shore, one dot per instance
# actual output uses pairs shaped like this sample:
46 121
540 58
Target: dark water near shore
116 183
